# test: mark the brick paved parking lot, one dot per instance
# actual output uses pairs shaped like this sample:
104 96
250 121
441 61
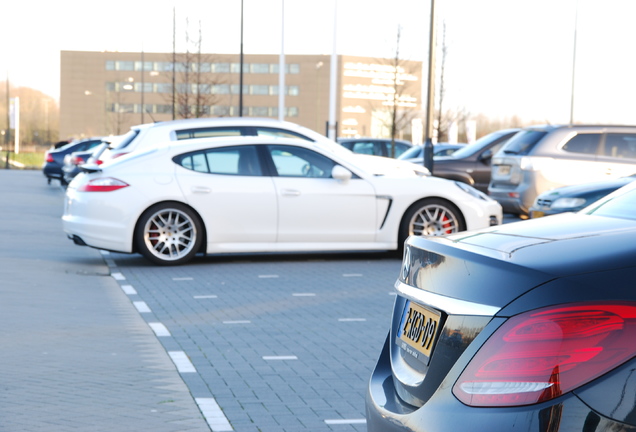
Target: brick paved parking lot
280 343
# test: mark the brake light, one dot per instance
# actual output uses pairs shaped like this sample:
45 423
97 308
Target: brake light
76 160
49 158
540 355
107 184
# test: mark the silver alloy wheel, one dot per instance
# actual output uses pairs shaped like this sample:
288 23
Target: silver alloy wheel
433 220
170 234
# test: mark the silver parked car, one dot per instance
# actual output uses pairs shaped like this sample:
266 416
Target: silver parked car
541 158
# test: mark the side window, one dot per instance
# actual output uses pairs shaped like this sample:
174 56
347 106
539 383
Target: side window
583 143
300 162
237 160
208 132
399 148
281 133
367 148
620 145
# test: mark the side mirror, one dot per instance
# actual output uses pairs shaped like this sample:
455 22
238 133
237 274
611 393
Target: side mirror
485 156
341 174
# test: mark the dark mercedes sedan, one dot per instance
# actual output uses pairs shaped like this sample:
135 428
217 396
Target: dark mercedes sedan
529 326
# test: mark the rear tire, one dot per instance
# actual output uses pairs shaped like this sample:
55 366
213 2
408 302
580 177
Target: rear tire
431 217
169 234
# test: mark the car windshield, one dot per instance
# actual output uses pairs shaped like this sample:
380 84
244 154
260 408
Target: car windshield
122 141
413 152
471 149
523 142
620 204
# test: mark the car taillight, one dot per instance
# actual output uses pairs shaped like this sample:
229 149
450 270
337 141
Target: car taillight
542 354
102 185
76 160
49 158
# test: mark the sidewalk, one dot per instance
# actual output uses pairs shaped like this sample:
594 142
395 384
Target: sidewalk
76 355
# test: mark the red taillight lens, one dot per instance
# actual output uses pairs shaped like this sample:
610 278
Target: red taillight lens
102 185
76 160
540 355
49 158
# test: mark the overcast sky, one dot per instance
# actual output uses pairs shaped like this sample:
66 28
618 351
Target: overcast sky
505 57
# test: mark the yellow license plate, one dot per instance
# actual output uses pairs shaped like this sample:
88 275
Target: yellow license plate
419 328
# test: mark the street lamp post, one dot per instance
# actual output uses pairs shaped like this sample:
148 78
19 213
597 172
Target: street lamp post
241 66
430 105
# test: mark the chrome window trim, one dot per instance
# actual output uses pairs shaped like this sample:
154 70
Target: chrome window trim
451 306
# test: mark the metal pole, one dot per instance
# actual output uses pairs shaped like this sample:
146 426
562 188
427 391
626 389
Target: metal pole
241 66
430 105
576 22
332 130
281 67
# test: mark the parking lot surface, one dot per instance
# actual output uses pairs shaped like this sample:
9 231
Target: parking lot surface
106 341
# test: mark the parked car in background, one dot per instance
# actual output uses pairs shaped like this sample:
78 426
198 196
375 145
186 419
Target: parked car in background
470 164
528 326
54 157
576 197
143 137
73 161
375 146
541 158
260 194
416 153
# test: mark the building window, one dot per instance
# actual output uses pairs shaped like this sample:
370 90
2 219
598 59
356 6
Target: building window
147 66
110 65
261 68
125 65
221 67
221 89
236 68
259 89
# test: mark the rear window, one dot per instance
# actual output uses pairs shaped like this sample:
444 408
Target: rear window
126 139
523 142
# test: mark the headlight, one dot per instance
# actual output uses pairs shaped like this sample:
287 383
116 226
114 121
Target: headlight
567 203
472 191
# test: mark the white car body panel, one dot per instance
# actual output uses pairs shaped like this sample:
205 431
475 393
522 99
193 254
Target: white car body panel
260 213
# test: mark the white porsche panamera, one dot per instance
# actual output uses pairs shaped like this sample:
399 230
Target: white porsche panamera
260 194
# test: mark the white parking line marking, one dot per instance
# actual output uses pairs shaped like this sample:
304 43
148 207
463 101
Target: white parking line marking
181 361
304 294
292 357
213 415
110 262
345 421
159 329
104 252
392 293
352 275
352 319
204 296
182 279
128 289
238 322
118 276
142 307
268 276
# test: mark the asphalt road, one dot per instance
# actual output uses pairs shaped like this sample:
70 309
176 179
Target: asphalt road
250 343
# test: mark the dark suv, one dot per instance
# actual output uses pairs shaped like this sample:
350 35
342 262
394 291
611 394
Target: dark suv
541 158
471 164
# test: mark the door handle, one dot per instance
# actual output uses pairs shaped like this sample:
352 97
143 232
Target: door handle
290 192
200 189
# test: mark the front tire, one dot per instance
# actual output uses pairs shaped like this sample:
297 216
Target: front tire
431 217
169 234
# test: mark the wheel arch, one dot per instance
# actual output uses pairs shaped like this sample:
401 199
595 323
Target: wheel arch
204 242
405 216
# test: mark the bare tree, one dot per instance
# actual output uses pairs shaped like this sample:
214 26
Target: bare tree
400 105
193 81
